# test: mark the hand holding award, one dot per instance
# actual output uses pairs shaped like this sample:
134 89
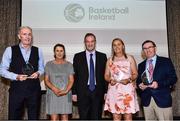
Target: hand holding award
145 79
121 77
28 70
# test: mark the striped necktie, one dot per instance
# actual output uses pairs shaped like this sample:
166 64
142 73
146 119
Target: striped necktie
151 69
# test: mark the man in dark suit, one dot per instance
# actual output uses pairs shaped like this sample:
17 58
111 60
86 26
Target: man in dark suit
89 85
156 77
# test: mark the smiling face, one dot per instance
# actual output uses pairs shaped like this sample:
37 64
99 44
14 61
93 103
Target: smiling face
149 50
59 52
90 43
117 46
25 36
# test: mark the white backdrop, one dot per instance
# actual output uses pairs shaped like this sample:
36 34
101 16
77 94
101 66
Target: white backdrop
67 21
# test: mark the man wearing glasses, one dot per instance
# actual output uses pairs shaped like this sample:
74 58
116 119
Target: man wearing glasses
156 77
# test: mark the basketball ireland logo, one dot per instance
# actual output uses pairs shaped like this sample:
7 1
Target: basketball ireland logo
74 13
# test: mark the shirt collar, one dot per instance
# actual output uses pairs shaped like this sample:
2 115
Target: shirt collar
22 47
153 58
88 53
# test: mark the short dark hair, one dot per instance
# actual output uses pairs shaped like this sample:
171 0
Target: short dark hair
147 41
60 45
89 34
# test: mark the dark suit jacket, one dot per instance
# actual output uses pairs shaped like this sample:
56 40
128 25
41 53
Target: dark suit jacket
81 74
165 75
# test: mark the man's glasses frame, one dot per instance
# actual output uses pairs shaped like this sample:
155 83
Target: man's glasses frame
150 47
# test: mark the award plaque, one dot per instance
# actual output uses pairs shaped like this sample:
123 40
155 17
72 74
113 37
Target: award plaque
145 79
28 69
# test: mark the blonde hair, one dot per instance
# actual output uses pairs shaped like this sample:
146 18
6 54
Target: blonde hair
123 49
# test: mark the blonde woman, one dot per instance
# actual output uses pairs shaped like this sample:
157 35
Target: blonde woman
121 72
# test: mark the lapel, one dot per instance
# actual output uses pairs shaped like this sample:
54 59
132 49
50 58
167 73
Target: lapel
156 67
143 66
97 63
84 63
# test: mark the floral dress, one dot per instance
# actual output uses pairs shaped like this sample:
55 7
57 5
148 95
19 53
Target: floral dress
121 98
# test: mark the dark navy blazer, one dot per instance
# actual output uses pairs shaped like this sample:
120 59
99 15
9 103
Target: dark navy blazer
165 75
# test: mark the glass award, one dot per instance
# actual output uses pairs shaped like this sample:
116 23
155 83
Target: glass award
28 69
144 78
119 76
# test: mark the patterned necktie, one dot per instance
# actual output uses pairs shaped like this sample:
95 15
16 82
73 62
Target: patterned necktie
92 80
151 69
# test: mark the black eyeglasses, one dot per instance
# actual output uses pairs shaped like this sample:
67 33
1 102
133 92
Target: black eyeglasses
150 47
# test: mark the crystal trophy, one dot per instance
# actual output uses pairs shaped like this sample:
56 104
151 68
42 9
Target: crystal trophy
145 79
119 76
28 69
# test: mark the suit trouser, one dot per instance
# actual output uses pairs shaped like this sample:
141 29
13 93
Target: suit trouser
153 112
18 98
90 107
